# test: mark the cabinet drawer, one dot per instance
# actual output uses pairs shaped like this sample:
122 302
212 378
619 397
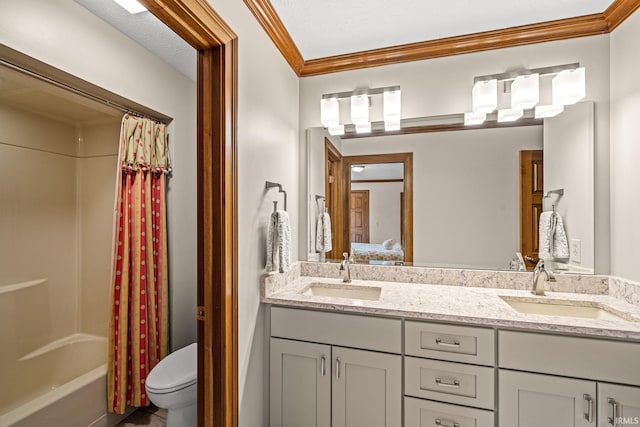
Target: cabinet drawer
424 413
370 333
450 382
448 342
603 360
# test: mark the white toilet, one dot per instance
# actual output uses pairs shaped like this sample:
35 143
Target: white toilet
172 384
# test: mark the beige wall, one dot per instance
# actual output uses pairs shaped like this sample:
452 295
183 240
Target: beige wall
443 86
625 149
67 36
465 191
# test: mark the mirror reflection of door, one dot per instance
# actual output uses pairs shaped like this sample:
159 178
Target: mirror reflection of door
333 196
359 216
531 192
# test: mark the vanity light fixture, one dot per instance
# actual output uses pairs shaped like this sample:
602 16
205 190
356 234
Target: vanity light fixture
360 103
392 107
474 118
357 168
569 86
360 109
485 96
329 112
509 114
525 92
131 6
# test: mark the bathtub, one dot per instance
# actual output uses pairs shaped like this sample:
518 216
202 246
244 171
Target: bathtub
61 384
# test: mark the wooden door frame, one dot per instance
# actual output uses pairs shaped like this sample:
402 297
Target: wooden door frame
334 206
404 158
200 26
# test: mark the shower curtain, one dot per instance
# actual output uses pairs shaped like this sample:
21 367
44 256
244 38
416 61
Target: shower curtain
138 324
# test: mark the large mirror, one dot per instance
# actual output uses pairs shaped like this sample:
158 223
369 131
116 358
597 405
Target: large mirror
464 198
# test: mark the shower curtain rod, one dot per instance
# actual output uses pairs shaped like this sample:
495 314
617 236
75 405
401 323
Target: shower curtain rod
69 82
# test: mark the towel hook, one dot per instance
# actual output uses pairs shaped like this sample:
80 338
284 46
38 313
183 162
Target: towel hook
559 192
268 185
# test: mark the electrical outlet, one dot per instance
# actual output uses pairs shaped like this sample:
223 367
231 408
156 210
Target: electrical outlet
576 250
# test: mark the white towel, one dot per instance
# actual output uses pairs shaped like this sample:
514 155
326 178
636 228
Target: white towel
552 237
323 233
279 243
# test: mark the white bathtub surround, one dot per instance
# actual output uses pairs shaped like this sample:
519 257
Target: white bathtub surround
475 298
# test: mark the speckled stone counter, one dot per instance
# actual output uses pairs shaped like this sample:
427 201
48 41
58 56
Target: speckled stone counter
471 297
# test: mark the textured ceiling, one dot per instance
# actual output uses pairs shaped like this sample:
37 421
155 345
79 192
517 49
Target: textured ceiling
149 32
322 28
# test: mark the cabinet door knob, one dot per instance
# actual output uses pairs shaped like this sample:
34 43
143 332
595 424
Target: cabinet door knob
589 414
613 419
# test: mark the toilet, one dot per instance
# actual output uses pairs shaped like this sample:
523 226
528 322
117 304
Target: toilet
172 384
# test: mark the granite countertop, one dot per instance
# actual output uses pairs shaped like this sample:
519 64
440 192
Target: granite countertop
463 304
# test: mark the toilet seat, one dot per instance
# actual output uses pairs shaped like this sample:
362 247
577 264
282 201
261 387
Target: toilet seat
175 372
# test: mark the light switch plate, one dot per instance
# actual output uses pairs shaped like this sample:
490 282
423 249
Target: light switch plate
576 250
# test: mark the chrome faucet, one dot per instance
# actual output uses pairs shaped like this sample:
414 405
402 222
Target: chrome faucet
538 281
344 267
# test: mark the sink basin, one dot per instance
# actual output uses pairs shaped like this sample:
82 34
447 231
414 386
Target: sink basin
564 308
334 290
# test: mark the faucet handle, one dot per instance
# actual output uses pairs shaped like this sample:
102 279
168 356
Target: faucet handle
345 255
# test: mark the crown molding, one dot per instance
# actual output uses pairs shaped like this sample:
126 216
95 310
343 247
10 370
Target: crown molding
562 29
267 17
516 36
618 11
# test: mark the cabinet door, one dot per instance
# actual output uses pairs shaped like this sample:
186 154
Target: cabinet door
300 384
535 400
367 389
618 405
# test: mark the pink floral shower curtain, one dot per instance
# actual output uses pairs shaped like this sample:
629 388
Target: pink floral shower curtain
138 327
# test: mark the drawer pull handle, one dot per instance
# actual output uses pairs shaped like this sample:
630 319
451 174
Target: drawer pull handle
454 384
613 419
455 343
439 424
589 414
323 360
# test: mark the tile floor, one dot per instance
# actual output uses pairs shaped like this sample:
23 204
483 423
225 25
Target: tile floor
147 416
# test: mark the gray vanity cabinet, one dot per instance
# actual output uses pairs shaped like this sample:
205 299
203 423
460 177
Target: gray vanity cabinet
618 405
535 400
317 381
300 384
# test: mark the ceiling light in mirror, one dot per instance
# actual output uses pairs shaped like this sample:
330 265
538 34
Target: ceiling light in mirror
485 96
329 112
357 168
131 6
546 111
392 108
569 86
360 110
471 119
509 114
336 130
525 91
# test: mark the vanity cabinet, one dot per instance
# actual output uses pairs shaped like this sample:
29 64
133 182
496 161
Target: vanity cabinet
449 375
546 396
317 381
